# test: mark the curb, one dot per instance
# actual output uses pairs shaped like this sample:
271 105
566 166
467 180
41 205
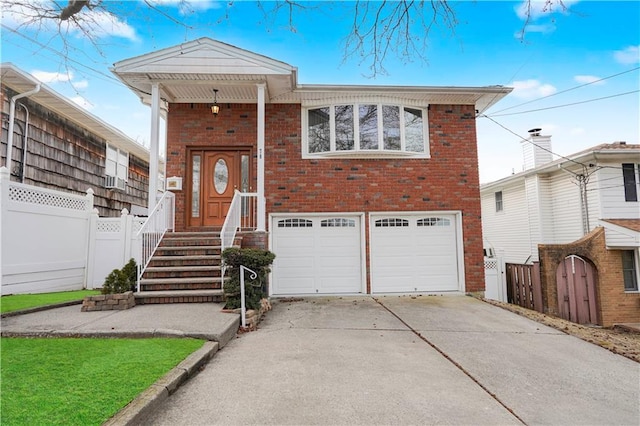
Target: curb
41 308
149 400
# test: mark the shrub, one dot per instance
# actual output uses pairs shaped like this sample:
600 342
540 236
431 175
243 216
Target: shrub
255 289
121 280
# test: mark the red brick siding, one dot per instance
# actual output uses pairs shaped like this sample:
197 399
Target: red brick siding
447 181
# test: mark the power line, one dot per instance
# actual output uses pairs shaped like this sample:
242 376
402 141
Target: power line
62 55
568 90
533 143
566 105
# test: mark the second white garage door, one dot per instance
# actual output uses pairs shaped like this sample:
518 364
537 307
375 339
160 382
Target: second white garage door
316 255
414 253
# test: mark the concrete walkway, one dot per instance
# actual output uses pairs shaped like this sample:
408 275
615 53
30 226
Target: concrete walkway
197 320
403 360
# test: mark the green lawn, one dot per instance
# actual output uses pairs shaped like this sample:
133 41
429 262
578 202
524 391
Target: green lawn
80 381
16 302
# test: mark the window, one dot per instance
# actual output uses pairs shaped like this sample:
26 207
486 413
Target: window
499 205
630 182
391 223
365 128
629 271
434 221
295 223
338 223
116 168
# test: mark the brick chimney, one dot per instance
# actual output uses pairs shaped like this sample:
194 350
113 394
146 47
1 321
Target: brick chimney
536 149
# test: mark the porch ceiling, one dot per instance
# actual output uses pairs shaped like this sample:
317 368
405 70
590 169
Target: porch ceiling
198 88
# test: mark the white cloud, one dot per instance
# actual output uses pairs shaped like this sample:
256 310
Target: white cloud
94 23
628 55
190 6
79 100
80 85
538 8
530 89
52 77
585 79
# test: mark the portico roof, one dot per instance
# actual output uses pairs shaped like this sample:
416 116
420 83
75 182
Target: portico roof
189 72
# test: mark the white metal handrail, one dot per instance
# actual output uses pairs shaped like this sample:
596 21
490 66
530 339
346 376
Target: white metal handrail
241 215
161 219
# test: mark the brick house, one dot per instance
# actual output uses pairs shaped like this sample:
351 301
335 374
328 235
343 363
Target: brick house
357 189
69 149
579 216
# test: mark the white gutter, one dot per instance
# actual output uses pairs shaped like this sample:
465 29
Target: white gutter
12 117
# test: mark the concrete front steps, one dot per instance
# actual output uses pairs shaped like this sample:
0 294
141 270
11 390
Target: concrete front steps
186 268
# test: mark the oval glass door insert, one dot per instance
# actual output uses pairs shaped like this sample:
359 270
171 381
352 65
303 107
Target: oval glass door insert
221 176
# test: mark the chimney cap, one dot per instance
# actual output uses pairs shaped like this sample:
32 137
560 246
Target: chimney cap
535 132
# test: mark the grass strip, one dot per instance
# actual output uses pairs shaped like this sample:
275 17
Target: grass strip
80 381
16 302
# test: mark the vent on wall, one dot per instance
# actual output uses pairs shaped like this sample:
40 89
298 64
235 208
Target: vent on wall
114 182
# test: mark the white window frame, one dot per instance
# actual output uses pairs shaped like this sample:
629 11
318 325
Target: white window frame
121 159
380 152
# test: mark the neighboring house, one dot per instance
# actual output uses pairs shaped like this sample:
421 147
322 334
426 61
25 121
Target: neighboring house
555 209
68 148
359 189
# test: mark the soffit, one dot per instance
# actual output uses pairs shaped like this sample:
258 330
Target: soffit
21 82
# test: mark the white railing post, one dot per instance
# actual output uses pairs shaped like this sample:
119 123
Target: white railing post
91 249
5 177
243 308
125 235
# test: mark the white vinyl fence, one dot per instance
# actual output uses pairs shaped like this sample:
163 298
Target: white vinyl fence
55 241
495 279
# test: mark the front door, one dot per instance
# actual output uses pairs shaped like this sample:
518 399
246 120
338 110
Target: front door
215 175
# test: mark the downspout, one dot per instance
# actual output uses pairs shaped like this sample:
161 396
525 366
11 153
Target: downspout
25 135
12 117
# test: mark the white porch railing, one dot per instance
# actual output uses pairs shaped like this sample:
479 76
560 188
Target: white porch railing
161 219
241 215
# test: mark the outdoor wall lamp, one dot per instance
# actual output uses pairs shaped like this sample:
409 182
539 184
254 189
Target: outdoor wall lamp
215 108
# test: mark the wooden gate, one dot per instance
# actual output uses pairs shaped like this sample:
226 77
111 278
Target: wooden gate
576 283
523 286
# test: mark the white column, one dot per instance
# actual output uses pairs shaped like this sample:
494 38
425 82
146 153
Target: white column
154 148
260 226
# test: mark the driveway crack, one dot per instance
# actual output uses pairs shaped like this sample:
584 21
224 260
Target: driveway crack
456 364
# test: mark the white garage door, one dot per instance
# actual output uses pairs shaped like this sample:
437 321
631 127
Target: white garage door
316 255
413 253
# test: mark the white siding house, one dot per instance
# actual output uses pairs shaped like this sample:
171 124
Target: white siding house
560 201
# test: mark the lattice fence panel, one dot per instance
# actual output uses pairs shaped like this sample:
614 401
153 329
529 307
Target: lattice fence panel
45 198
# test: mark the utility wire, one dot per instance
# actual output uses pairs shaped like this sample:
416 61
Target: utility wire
531 142
567 90
58 53
565 105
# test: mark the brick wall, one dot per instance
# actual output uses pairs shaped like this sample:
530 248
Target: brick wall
65 157
447 181
614 305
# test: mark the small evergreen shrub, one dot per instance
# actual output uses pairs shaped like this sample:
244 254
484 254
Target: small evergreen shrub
255 289
121 280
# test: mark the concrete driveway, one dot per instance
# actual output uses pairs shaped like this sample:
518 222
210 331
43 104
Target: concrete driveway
403 360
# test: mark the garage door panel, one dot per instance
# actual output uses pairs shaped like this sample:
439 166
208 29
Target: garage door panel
327 250
421 256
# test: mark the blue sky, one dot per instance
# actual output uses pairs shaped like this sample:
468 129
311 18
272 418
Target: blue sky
560 51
